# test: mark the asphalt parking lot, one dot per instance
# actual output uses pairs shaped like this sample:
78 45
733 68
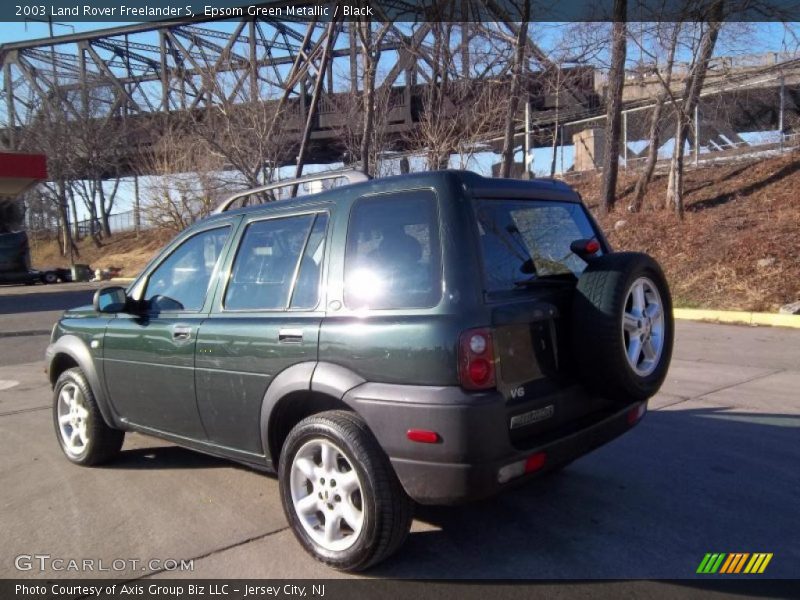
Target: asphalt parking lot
712 468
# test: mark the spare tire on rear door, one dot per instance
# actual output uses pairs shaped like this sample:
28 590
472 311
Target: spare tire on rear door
623 326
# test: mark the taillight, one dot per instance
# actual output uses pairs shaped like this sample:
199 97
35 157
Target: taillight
476 368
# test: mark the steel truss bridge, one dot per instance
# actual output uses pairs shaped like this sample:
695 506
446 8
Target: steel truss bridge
144 72
148 75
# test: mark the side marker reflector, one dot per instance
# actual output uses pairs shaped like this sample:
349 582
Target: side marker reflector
423 436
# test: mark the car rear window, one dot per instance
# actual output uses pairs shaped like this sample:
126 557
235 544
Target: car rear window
523 241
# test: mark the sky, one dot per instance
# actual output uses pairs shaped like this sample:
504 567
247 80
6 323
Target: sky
31 30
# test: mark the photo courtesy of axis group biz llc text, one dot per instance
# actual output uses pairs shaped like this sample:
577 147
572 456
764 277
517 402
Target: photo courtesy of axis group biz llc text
442 299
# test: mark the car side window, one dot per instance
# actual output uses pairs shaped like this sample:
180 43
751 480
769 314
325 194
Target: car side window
181 281
306 288
264 269
393 257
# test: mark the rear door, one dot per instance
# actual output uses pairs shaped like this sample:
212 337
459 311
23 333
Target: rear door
266 318
529 278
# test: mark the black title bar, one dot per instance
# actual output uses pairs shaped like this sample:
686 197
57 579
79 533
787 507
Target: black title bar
397 10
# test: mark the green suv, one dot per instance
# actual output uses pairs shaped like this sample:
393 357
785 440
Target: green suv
431 338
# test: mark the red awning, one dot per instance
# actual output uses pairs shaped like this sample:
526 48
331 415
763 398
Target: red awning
20 171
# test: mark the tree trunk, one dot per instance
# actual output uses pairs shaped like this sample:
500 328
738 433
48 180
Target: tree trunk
370 62
555 126
654 138
137 209
513 100
76 230
652 156
68 247
616 81
104 212
694 86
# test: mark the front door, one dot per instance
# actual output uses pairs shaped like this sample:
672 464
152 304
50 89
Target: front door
265 320
149 355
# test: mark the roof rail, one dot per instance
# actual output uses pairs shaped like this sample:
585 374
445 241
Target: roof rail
351 175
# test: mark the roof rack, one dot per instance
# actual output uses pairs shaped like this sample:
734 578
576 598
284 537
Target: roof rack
351 175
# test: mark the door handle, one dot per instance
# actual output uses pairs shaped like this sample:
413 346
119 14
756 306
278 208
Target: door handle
290 335
181 332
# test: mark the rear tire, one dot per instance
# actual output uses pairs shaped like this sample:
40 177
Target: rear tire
623 326
340 493
83 435
49 277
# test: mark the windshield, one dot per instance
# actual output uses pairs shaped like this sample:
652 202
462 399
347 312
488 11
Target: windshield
524 241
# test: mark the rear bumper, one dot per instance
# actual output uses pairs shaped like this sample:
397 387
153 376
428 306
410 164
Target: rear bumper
442 483
474 442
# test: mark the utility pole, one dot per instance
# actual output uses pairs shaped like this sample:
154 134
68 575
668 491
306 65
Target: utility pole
696 134
137 223
781 111
528 174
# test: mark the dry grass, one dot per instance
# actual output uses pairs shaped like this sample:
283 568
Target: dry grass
736 215
124 250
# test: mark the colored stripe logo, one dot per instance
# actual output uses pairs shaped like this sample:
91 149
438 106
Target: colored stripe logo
734 563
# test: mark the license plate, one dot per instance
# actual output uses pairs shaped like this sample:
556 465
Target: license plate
533 416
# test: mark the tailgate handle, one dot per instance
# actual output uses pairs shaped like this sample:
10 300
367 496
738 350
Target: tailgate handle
290 335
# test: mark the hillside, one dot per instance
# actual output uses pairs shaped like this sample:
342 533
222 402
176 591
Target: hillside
739 244
737 248
124 250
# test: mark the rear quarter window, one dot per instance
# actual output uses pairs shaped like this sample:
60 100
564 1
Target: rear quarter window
393 257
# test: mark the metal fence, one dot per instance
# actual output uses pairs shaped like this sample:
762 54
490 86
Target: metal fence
123 221
46 226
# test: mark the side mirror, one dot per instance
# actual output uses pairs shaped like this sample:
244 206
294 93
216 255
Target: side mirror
110 300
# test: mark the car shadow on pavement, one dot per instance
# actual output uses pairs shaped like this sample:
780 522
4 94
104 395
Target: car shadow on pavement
166 457
44 301
649 505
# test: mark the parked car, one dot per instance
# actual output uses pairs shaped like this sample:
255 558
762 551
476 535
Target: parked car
433 338
15 262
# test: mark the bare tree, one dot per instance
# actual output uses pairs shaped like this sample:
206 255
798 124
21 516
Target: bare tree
50 132
460 121
99 144
242 136
351 128
654 138
183 182
370 55
616 81
520 45
694 85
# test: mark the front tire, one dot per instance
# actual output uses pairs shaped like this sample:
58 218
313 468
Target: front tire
49 277
81 431
340 493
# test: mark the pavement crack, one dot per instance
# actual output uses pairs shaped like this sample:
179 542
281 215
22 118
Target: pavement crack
738 383
683 399
216 551
25 333
678 401
23 410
